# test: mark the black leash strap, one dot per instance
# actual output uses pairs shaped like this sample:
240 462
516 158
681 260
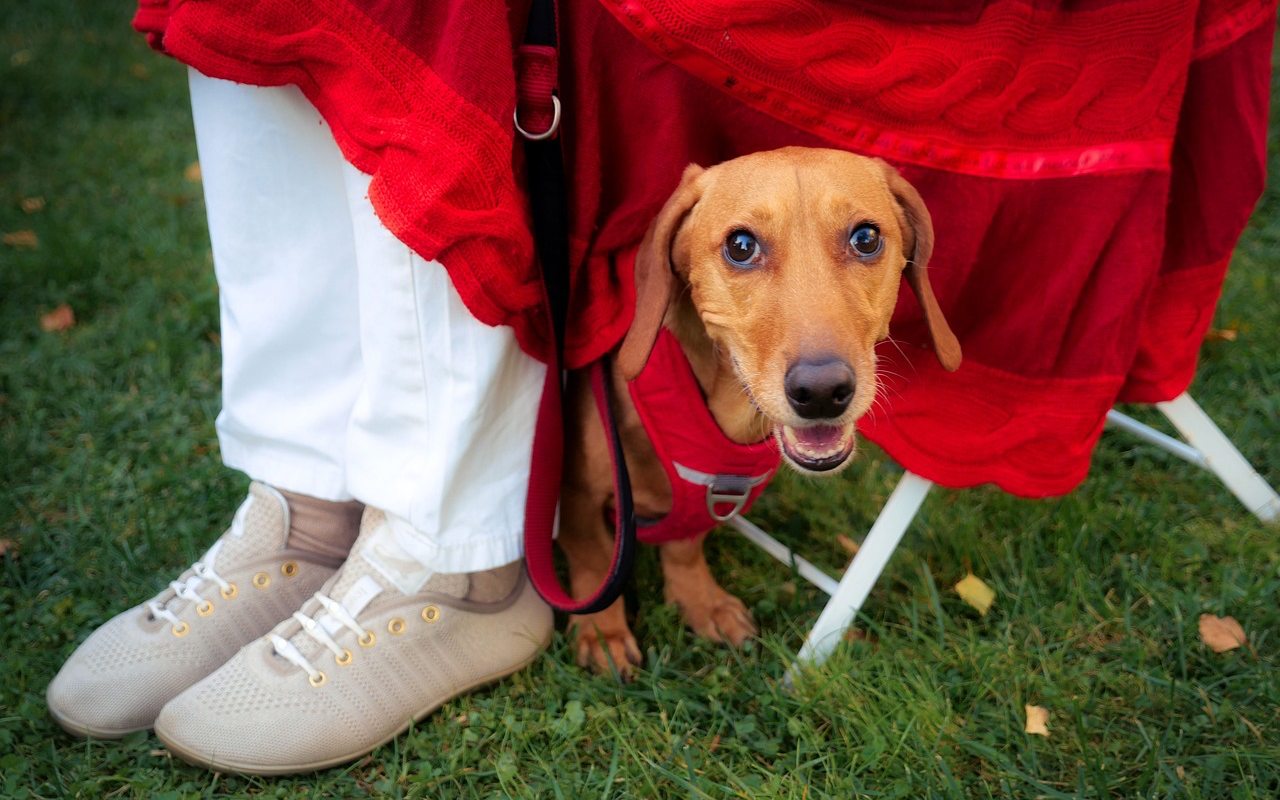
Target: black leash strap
538 115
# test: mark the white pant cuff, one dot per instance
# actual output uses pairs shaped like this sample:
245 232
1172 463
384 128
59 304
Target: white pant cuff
287 471
473 552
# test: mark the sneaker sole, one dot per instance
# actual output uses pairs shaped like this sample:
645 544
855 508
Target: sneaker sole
214 764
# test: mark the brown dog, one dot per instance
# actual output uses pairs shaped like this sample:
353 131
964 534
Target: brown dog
778 273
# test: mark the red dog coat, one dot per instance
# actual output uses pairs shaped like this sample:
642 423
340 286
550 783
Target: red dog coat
712 478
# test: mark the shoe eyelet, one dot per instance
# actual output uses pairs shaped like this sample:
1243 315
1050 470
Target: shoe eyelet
345 659
368 640
395 627
289 569
180 630
317 680
261 580
204 609
230 591
431 614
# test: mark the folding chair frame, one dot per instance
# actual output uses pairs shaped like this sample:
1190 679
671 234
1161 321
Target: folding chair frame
1205 446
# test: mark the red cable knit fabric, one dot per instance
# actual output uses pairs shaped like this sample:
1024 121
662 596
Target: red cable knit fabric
1088 165
419 95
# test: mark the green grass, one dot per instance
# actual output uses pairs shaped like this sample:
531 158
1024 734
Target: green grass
111 483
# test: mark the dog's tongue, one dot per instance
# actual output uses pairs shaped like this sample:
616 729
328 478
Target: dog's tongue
818 447
819 438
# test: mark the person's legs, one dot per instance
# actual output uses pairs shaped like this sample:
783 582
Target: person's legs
432 601
442 432
284 254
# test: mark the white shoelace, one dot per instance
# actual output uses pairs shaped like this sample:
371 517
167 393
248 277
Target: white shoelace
201 571
316 630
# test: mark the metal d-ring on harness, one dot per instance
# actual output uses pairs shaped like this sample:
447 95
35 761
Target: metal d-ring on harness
734 490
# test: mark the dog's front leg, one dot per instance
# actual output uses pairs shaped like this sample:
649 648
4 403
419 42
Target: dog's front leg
604 640
706 607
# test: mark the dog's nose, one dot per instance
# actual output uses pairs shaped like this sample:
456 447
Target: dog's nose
819 389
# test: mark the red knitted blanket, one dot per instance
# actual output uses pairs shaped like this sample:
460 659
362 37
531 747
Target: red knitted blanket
1088 165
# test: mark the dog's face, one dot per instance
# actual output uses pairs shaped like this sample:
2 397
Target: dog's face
793 259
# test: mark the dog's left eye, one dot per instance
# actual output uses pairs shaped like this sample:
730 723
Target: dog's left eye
865 241
742 249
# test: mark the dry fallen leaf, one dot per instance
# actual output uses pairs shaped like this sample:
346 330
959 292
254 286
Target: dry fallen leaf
976 593
1037 720
8 546
160 753
849 545
192 172
20 58
1221 633
60 319
31 205
859 635
140 71
24 239
1221 335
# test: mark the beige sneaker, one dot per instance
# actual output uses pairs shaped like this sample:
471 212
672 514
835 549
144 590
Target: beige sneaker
385 644
119 678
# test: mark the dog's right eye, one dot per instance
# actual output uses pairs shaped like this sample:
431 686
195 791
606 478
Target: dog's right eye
742 249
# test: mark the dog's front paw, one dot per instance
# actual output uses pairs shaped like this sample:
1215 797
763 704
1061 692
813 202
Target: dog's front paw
718 616
610 649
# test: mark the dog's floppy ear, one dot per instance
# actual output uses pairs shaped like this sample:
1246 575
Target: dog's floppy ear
919 246
655 275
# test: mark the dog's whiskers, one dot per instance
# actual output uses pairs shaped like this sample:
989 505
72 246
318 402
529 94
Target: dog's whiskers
898 347
885 373
879 400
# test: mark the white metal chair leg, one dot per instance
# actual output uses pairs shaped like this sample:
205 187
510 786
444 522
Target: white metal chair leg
784 554
1208 448
1222 458
864 570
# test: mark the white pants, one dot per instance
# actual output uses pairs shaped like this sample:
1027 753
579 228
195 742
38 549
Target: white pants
351 367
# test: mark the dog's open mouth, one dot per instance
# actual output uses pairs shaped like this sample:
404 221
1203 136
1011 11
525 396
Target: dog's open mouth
817 448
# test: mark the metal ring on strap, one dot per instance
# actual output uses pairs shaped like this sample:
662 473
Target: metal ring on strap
717 497
549 132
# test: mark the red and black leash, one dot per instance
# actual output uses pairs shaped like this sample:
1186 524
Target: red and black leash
538 114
